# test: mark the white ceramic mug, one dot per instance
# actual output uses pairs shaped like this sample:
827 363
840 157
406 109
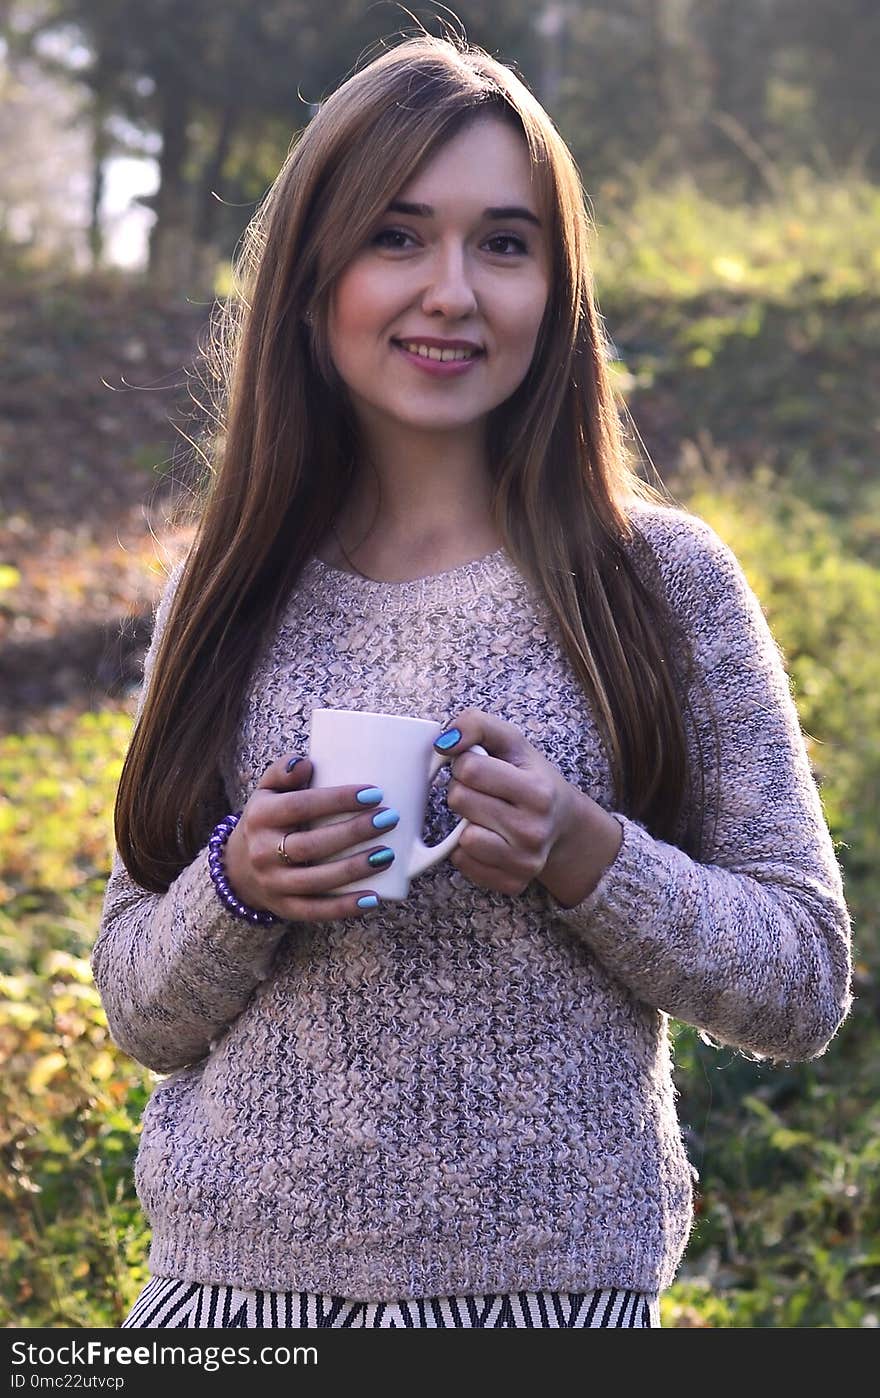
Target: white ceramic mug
349 747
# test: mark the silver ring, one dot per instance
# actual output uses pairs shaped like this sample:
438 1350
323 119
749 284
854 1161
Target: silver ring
283 852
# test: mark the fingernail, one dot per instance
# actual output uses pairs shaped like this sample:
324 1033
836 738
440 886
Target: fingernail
448 739
385 819
292 763
370 795
369 901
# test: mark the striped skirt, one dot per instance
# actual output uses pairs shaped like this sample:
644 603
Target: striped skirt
168 1304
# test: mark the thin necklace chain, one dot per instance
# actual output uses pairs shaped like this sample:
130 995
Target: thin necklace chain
360 574
366 576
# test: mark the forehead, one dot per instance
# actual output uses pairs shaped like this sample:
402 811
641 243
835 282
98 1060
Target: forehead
486 161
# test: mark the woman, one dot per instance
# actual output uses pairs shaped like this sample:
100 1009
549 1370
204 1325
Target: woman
457 1110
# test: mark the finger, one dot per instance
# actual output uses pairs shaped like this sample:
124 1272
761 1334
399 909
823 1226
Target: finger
288 773
488 875
310 892
485 847
322 878
296 810
493 776
305 846
486 812
289 778
327 909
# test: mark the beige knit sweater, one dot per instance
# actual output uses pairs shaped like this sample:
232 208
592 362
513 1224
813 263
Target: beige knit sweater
469 1092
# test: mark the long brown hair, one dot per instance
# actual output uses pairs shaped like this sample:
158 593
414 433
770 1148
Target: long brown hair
281 461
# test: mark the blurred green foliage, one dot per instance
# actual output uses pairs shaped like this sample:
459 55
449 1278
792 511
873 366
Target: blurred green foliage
750 334
72 1237
788 1216
674 242
788 1229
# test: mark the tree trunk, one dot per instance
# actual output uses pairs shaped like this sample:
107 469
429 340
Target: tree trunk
666 92
100 146
205 252
171 236
103 94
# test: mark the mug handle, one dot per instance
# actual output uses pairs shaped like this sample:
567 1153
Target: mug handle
423 856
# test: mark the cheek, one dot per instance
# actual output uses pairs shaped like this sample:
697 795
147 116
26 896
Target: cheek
351 311
357 317
366 301
367 305
521 341
521 315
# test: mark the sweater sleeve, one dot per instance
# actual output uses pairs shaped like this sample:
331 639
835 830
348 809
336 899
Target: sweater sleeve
174 969
753 945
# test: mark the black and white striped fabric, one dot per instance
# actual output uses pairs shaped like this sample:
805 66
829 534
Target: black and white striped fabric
167 1304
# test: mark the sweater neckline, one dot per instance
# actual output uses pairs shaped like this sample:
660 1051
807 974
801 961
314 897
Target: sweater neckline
464 582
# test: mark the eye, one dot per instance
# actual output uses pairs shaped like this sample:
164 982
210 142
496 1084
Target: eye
509 238
519 245
390 233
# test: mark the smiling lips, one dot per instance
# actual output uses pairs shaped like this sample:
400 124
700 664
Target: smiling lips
441 363
456 351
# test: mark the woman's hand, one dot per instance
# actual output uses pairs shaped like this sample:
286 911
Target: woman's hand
282 807
526 820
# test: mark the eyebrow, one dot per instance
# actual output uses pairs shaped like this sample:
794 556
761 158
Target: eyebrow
401 206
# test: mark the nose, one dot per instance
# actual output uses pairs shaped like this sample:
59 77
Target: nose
449 291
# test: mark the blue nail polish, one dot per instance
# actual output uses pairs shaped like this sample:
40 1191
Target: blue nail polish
368 901
385 819
370 795
448 739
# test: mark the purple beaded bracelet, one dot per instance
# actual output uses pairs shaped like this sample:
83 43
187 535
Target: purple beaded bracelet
219 835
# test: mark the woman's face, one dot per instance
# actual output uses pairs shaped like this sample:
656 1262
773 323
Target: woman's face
458 272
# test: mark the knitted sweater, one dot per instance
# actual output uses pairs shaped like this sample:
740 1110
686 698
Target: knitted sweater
467 1091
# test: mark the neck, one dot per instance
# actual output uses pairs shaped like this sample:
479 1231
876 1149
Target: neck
365 524
417 489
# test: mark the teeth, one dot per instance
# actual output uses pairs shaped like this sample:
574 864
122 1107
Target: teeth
431 353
